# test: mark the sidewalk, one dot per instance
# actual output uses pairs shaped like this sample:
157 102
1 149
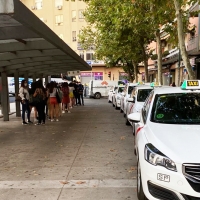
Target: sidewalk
87 155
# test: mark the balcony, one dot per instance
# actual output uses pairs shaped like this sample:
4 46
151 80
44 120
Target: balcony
192 46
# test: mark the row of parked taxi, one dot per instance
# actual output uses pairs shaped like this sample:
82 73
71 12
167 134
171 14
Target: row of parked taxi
166 127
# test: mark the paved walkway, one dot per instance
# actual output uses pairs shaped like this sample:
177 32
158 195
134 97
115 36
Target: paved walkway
87 155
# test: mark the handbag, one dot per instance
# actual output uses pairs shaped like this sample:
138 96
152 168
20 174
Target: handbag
58 97
17 98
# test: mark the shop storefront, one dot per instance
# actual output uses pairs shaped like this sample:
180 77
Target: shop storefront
85 77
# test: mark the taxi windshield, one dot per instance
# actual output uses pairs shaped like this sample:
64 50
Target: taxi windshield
120 89
143 94
130 89
178 108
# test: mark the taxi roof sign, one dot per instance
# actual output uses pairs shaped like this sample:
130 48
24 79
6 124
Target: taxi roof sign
155 84
190 84
140 83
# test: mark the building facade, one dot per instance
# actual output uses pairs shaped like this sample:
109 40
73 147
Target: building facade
66 19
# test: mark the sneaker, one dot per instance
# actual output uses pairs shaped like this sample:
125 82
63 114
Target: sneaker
38 124
63 111
24 123
52 120
30 122
43 123
68 111
57 120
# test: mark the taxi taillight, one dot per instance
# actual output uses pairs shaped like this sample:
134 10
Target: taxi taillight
139 129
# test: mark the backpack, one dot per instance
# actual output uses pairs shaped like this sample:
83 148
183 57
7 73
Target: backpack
60 94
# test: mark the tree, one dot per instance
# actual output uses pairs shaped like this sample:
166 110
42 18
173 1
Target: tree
180 15
121 26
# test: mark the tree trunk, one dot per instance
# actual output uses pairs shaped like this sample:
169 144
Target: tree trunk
145 64
135 70
181 38
159 63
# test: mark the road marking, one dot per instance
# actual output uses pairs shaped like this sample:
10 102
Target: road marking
122 183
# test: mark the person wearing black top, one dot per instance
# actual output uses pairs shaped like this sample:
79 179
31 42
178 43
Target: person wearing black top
76 94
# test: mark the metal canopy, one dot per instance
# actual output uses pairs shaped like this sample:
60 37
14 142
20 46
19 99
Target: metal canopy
29 46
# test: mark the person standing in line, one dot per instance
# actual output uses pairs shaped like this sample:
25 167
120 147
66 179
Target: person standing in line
71 94
54 106
31 103
47 102
65 99
80 92
24 94
40 95
75 93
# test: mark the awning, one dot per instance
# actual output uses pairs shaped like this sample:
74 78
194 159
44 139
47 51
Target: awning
28 45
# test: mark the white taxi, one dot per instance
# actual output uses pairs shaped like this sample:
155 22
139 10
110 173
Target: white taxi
137 99
111 93
125 95
167 144
117 96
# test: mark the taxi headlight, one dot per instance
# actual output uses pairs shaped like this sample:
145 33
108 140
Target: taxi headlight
155 157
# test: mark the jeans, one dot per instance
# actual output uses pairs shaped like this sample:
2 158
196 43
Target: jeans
81 98
26 108
41 113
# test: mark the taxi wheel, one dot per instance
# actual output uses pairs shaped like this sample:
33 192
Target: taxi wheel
140 192
127 122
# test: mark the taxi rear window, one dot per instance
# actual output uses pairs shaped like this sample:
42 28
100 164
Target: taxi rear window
143 94
178 108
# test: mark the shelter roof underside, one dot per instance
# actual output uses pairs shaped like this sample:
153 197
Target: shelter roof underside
29 46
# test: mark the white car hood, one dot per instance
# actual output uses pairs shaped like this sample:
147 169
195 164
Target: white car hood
181 143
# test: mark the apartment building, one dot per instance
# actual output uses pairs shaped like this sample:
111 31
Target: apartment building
66 19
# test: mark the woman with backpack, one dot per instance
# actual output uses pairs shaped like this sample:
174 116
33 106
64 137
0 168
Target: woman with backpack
39 97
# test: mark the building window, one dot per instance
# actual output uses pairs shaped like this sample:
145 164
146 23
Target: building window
74 36
38 4
73 15
89 56
82 55
58 3
59 20
80 14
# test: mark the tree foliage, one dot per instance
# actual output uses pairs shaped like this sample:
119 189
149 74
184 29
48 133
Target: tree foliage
121 30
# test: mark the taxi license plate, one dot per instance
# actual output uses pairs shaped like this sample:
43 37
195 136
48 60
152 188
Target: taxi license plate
163 177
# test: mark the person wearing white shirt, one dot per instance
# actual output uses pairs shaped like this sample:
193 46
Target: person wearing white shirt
24 94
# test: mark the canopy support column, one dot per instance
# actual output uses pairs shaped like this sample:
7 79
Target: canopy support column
26 76
17 103
34 77
5 98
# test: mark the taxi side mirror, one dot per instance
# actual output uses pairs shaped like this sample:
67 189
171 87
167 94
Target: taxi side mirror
134 117
131 99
